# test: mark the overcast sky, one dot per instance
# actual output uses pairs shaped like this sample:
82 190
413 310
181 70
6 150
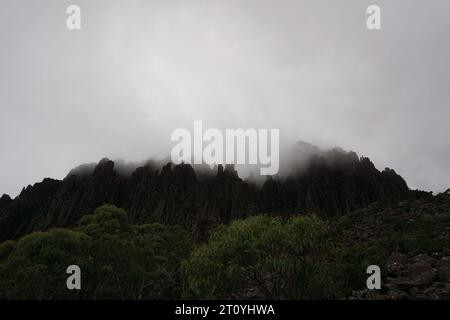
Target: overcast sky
140 69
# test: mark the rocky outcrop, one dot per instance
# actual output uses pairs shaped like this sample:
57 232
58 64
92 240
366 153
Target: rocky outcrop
4 201
417 277
33 204
331 189
409 241
332 184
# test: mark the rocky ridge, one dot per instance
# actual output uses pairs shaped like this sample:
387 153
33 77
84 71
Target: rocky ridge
332 184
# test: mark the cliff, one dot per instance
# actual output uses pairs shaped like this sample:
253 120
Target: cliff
331 184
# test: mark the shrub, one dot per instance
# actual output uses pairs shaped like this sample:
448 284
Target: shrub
263 257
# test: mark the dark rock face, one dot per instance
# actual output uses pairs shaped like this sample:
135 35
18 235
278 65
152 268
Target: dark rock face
333 189
4 201
33 204
418 277
180 195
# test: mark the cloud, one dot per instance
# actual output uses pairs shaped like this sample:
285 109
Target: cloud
138 70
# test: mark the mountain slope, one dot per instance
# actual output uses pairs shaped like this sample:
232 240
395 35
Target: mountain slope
331 184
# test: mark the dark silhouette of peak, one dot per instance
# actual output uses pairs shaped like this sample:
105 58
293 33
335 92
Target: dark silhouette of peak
105 166
303 156
33 203
330 183
230 170
4 201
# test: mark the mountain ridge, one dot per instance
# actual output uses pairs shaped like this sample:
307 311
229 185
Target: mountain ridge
184 195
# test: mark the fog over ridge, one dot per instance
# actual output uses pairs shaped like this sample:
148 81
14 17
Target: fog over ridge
140 69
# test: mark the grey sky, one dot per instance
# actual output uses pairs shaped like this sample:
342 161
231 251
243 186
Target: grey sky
140 69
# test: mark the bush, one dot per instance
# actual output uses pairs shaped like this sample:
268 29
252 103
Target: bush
117 260
263 257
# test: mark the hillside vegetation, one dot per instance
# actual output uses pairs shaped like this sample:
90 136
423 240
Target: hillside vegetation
261 257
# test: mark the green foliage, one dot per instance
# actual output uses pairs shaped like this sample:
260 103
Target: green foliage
353 262
118 260
263 257
410 227
35 269
6 248
254 258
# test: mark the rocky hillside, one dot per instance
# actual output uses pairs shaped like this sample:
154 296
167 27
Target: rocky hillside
330 184
409 240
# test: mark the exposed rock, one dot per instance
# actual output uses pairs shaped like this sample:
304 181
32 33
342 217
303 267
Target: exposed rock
395 263
33 204
334 184
412 278
5 200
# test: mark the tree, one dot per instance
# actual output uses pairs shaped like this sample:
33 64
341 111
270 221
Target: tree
263 257
35 267
117 260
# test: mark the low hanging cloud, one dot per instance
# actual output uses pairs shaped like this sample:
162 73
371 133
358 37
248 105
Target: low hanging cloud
137 70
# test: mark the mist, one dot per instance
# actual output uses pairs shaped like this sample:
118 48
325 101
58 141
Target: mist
138 70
